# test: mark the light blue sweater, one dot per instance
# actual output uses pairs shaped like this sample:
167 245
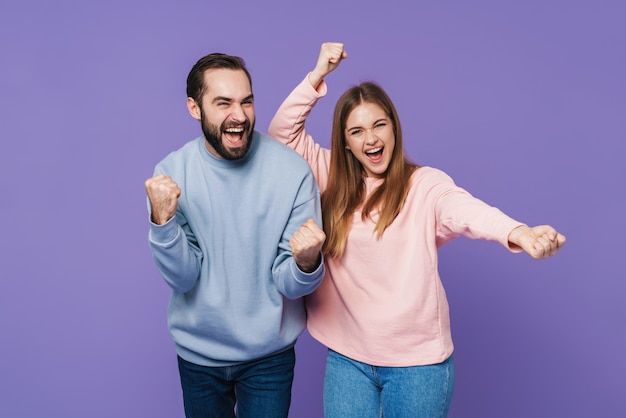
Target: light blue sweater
236 287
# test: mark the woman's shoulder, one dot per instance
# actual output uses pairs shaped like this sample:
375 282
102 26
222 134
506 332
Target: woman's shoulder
428 174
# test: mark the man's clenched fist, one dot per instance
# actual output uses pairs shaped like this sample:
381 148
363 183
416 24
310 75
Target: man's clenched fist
163 193
306 245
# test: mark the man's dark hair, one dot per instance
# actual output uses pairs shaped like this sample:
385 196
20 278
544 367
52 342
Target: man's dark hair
195 79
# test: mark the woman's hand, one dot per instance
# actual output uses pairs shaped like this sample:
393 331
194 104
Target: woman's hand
539 241
331 55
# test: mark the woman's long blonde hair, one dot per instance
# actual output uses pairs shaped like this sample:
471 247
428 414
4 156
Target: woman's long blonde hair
345 190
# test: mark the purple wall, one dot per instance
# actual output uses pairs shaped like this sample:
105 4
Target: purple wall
523 104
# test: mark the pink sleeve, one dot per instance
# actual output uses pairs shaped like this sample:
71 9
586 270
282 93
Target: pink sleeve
460 213
287 126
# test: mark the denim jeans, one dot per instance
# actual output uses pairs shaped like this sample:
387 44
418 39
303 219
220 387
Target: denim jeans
259 388
357 390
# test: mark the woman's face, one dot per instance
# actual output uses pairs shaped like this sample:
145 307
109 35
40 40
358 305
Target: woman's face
370 138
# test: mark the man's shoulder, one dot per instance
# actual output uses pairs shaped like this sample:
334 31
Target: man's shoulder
279 150
181 154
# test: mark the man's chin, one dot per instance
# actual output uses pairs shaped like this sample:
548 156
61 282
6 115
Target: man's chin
236 152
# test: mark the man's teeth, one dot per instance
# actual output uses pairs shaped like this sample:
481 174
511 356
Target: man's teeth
234 130
374 151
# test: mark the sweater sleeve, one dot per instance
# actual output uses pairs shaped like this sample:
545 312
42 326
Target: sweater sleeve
175 251
287 126
288 278
460 213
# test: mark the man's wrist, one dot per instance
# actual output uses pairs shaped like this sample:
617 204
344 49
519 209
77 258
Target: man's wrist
310 267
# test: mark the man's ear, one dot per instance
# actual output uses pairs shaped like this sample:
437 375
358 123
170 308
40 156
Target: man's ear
194 109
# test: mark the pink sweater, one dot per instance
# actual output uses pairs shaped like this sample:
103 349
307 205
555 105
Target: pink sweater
383 302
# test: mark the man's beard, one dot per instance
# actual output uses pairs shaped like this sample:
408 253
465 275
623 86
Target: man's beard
213 136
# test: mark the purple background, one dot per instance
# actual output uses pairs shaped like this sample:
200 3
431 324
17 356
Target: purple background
523 103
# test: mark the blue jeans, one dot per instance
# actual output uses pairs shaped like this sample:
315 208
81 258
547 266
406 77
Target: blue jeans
259 388
358 390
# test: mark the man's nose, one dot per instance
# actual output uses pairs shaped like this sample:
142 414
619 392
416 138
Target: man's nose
237 113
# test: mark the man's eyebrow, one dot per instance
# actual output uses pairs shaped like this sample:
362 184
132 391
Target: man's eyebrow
222 99
230 100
